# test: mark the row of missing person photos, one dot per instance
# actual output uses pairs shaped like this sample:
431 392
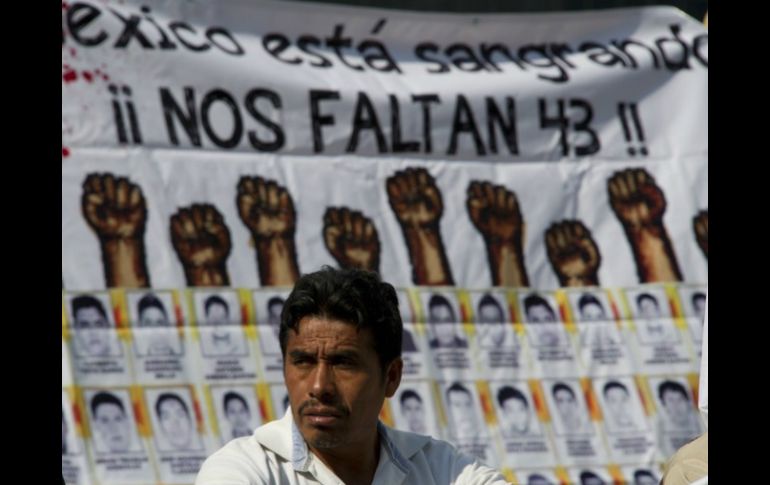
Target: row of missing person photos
151 338
556 431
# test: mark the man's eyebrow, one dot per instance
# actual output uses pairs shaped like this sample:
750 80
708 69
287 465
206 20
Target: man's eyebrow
295 354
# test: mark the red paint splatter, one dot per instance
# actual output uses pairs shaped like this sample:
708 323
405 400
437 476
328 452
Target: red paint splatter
87 76
64 6
106 77
65 152
69 75
73 52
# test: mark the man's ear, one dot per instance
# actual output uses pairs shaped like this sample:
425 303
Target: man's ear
393 376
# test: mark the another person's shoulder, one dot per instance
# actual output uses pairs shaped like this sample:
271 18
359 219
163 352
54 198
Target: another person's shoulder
689 463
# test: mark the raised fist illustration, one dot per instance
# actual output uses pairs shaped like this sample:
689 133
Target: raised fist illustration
351 238
266 208
573 253
414 197
635 197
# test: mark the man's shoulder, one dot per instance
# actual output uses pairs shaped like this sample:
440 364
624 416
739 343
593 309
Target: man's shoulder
410 444
241 460
248 459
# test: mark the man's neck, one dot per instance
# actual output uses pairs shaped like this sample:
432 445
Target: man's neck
355 464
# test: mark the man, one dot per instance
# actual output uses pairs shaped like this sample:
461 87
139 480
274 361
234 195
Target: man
590 478
443 322
591 309
237 414
462 411
63 434
490 322
568 407
699 304
649 314
413 411
153 318
647 306
515 411
217 315
680 412
174 419
92 328
341 345
538 310
645 477
110 422
269 340
600 330
616 401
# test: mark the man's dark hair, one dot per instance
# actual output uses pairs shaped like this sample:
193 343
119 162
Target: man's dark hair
560 386
352 296
643 296
489 300
698 295
457 387
215 300
169 396
105 398
273 301
509 392
586 474
150 301
641 473
87 301
671 386
588 299
609 385
229 396
437 300
534 300
409 394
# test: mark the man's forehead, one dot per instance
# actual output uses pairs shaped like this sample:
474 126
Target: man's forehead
329 332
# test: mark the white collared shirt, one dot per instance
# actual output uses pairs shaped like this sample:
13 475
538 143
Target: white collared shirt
277 454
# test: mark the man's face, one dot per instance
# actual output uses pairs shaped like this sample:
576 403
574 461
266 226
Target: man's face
568 407
441 313
113 426
540 314
516 414
93 331
159 338
274 317
677 406
175 423
463 414
443 324
218 317
616 400
239 416
153 317
335 382
414 413
648 308
491 325
699 304
592 312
